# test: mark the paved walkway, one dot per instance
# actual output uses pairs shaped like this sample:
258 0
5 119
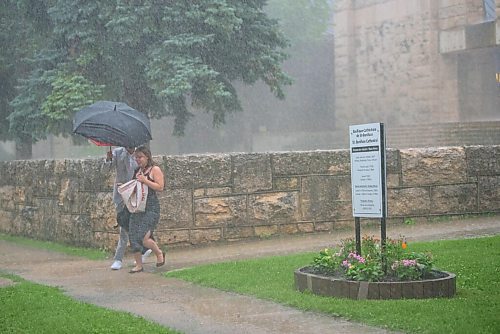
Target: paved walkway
193 309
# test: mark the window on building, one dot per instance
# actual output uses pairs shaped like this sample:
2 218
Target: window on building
489 10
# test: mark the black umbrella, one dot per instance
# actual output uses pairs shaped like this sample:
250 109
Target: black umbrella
112 123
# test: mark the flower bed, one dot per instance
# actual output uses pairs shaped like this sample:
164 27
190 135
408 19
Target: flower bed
442 285
389 271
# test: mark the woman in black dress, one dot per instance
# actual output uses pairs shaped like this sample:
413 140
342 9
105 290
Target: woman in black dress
143 223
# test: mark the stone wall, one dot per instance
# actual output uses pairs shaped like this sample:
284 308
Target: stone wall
228 197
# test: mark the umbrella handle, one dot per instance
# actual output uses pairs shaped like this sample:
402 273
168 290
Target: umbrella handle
109 155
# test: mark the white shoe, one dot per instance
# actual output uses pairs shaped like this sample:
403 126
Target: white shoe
117 265
145 255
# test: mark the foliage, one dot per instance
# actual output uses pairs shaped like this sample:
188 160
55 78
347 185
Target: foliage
402 264
32 308
473 310
69 93
312 16
161 57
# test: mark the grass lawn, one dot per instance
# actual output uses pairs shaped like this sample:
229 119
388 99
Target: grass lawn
28 307
33 308
474 309
89 253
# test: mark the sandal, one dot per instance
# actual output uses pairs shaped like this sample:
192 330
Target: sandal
159 264
136 271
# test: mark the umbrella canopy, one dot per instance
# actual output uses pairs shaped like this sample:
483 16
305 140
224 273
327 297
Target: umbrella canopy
113 123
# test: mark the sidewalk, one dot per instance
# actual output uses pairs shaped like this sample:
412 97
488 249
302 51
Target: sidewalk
193 309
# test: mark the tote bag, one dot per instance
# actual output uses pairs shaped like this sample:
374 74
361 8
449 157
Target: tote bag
134 195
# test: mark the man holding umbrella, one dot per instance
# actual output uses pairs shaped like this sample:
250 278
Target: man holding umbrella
122 160
109 123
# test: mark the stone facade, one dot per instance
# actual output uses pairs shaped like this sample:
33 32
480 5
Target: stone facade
227 197
405 62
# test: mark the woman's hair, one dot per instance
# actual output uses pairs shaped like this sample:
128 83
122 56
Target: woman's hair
147 152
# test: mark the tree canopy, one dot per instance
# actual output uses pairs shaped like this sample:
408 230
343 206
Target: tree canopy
159 56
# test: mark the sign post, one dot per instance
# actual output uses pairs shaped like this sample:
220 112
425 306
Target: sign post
368 176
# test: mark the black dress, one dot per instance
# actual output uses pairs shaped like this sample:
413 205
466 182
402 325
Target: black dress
143 222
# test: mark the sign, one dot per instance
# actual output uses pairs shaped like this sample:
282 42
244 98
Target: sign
368 170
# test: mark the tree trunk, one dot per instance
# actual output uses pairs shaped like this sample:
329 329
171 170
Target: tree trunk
24 148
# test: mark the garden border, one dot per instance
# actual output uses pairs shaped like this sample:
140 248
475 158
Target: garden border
335 287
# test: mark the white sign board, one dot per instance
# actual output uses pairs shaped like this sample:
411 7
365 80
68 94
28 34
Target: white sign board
367 171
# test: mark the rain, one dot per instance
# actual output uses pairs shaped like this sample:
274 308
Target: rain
351 62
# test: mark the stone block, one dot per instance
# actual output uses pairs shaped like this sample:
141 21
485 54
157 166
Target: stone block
78 230
218 191
238 232
6 219
318 162
172 237
251 173
393 161
266 231
17 223
198 171
176 208
323 196
45 218
202 236
6 173
393 180
217 211
7 195
105 240
459 198
73 168
40 177
483 160
489 193
408 201
323 226
344 224
305 227
94 176
273 207
100 207
433 166
199 192
286 183
69 196
288 229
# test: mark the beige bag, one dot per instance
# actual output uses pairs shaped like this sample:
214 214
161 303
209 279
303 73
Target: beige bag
134 195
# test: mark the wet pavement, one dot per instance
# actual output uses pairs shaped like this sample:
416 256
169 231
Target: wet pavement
194 309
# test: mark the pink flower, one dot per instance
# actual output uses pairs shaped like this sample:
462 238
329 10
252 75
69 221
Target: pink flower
409 263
